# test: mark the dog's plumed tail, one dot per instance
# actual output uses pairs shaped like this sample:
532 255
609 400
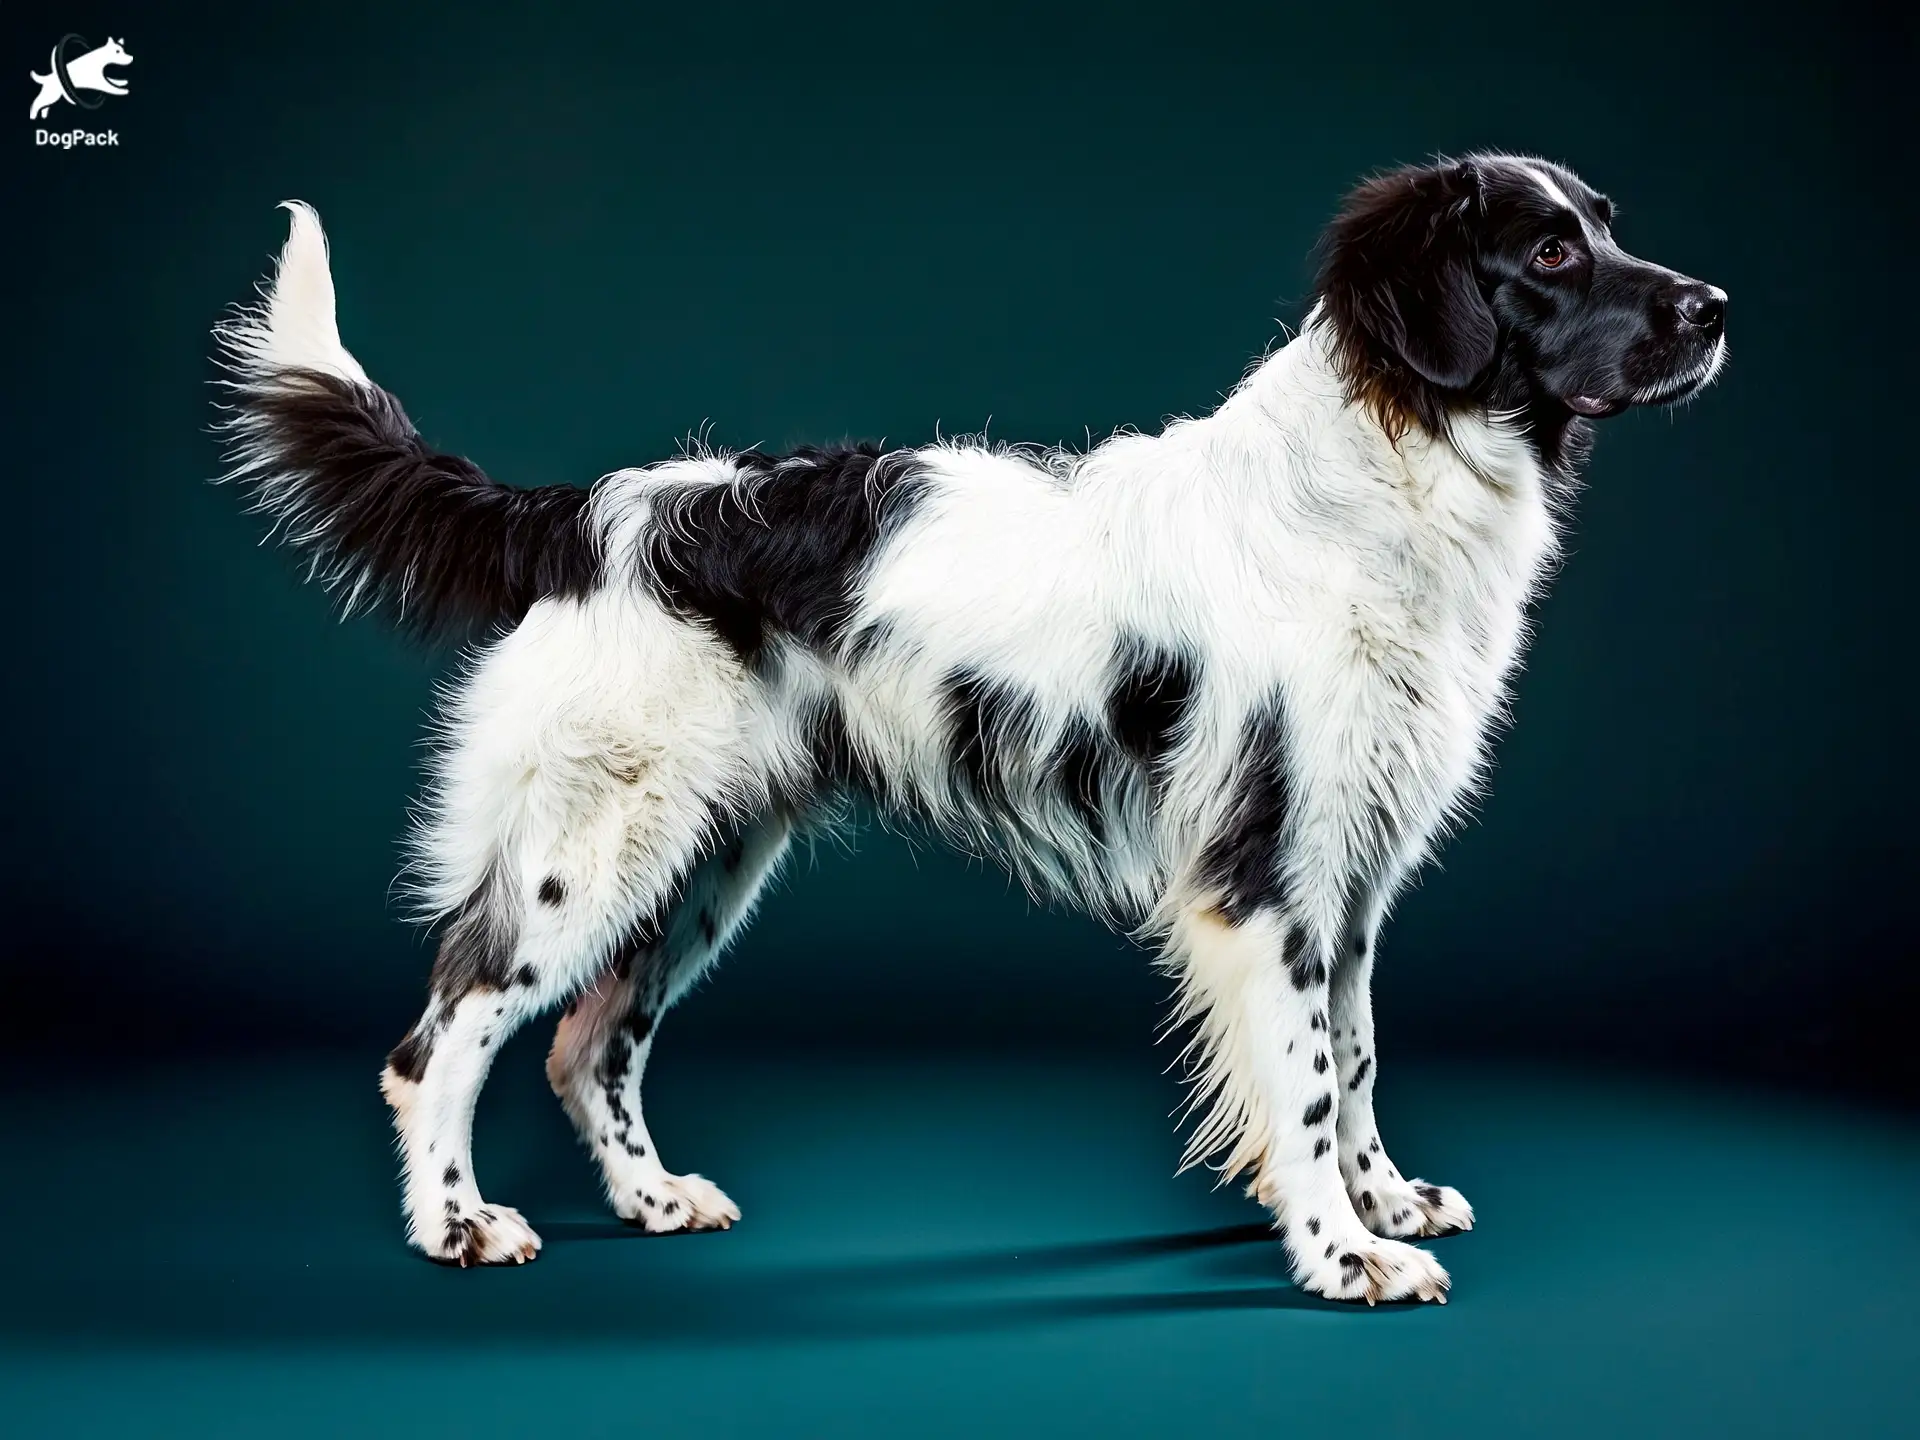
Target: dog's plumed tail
385 522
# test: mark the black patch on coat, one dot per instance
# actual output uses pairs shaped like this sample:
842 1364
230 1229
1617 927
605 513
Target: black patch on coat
1242 861
1360 1073
424 537
475 952
1317 1111
552 890
836 763
1152 689
781 548
1081 770
986 718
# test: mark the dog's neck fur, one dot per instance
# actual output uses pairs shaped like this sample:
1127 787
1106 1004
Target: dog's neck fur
1297 397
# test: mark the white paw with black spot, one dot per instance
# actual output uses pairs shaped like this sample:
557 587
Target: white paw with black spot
1446 1209
1399 1208
1365 1267
479 1235
669 1204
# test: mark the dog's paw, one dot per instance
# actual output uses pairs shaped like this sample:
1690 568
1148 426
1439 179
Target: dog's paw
1410 1209
1446 1209
1367 1267
483 1235
669 1204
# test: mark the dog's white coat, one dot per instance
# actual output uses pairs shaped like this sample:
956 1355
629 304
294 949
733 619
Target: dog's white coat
1283 540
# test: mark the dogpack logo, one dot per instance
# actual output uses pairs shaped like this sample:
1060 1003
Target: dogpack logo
78 76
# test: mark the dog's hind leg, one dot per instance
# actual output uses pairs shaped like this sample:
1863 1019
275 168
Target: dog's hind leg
601 1046
595 757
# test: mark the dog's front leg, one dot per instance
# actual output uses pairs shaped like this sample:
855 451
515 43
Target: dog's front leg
1257 994
1389 1202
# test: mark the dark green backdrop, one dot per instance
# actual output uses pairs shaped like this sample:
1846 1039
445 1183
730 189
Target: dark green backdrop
567 235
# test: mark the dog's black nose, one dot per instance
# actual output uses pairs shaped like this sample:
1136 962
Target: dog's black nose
1704 306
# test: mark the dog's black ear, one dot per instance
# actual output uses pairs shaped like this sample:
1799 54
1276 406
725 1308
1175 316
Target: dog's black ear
1398 283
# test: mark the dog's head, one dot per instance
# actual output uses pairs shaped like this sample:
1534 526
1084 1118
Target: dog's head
1495 281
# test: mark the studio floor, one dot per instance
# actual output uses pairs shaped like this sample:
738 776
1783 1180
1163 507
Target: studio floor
930 1248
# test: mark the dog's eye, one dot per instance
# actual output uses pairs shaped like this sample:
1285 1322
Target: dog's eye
1550 256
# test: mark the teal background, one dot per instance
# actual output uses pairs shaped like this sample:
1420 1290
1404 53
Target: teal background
1655 1008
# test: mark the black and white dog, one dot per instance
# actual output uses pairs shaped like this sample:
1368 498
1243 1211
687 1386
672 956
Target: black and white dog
1224 685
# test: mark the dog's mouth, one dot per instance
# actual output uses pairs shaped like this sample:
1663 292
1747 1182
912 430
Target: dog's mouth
1669 390
1689 382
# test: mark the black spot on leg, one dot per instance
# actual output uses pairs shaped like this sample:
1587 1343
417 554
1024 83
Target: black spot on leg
552 890
1306 970
1374 1145
1317 1111
452 1176
1319 1020
1360 1074
476 948
1313 1225
1321 1146
1366 1200
526 976
1320 1064
1363 1162
1332 1245
1428 1193
410 1056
